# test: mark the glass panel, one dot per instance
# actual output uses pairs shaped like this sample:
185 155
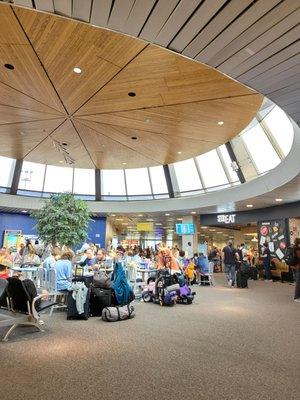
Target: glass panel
84 181
112 182
32 176
137 181
58 179
187 175
211 169
227 161
260 149
7 166
158 180
281 128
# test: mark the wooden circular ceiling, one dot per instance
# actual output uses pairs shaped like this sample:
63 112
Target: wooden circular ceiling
133 104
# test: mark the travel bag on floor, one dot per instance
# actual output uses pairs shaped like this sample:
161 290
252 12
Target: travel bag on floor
99 299
72 312
241 280
113 314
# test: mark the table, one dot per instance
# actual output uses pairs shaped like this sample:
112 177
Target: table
29 272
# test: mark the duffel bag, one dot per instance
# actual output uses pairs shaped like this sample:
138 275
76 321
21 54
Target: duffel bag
113 314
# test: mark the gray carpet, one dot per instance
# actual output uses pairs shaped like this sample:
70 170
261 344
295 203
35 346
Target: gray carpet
235 344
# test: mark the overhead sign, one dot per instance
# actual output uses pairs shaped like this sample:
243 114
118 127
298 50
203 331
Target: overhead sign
144 226
185 229
226 219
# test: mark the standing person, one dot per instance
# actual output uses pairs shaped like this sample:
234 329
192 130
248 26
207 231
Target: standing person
189 250
229 259
295 266
64 271
266 256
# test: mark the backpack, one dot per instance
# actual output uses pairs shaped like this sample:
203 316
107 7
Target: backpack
114 314
291 258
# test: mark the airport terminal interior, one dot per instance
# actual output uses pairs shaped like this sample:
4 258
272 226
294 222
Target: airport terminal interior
149 199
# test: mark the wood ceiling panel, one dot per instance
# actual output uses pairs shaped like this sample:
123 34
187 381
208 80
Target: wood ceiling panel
27 76
168 145
161 78
10 114
197 121
16 140
99 53
267 29
103 150
47 153
12 97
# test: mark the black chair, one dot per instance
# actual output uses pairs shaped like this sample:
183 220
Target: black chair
24 305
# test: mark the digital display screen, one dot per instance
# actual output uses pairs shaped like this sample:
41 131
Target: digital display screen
185 229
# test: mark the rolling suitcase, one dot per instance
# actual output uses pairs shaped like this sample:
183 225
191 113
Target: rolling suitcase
99 299
72 312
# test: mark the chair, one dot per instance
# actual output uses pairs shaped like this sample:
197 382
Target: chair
24 311
42 278
210 274
53 292
135 282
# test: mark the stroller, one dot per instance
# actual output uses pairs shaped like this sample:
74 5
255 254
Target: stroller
162 290
184 293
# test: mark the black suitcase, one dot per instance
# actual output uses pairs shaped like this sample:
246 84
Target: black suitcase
99 299
241 280
72 312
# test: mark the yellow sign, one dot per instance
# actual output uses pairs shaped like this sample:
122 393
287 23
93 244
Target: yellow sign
144 226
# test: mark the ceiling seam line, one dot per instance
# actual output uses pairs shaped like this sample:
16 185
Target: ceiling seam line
29 122
41 63
76 130
117 73
27 95
103 134
29 109
27 154
170 105
144 130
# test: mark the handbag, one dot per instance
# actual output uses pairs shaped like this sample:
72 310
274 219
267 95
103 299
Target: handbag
102 280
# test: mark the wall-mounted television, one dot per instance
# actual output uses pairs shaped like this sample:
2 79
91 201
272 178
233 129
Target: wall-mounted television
185 229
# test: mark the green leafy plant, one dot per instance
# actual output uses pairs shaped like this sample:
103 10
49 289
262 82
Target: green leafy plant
63 220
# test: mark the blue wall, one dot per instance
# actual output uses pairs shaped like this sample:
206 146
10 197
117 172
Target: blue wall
25 223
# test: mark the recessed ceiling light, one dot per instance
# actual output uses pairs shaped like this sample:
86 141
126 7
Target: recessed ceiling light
167 215
113 215
131 94
9 66
158 223
221 123
249 205
124 163
119 219
77 70
204 227
278 200
125 223
212 230
22 133
149 220
179 152
140 215
24 211
60 161
193 212
179 219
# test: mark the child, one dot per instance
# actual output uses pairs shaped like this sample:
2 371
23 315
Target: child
190 271
4 274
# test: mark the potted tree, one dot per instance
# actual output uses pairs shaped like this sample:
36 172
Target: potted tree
63 220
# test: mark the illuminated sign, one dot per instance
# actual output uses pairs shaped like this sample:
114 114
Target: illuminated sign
144 226
185 229
226 218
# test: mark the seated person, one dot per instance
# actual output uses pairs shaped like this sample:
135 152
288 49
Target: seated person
64 271
4 273
54 256
202 267
31 258
190 271
88 259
